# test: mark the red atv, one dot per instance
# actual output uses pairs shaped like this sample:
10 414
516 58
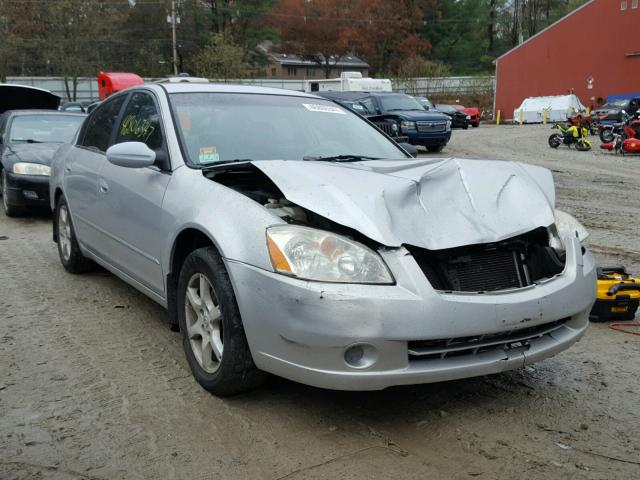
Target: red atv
626 138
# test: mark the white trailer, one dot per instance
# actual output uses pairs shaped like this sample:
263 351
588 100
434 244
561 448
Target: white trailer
348 82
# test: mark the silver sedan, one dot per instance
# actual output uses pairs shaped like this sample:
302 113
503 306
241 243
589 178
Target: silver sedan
286 234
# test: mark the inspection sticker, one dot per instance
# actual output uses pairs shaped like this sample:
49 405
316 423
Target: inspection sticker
314 107
208 154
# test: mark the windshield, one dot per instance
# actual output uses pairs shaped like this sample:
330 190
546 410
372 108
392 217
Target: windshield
399 102
50 128
458 107
445 108
615 104
222 127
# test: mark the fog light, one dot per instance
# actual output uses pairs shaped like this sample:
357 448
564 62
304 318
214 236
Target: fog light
361 355
30 194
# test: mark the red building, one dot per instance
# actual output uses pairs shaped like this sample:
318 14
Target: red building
592 52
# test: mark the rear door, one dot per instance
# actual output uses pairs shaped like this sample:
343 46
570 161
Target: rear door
81 168
130 199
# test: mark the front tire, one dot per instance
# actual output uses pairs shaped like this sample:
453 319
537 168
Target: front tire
435 148
213 337
606 135
583 145
71 257
9 210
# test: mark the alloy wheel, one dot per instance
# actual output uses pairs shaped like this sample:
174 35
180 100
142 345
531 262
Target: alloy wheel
64 232
204 322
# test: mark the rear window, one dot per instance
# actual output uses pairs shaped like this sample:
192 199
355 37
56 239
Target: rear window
49 128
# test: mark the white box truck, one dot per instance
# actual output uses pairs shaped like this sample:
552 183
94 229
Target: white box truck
348 82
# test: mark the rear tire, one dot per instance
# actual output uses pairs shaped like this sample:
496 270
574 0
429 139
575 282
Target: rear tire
555 140
475 125
71 257
213 337
435 148
9 210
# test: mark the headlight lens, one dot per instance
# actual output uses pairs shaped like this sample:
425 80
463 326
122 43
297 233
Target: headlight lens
312 254
468 117
407 125
448 124
565 225
21 168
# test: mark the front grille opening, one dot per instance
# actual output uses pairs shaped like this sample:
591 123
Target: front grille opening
513 263
521 338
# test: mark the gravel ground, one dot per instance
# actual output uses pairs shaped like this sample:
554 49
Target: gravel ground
93 385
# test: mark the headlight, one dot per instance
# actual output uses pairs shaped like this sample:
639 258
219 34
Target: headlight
407 125
468 117
448 124
565 225
312 254
31 169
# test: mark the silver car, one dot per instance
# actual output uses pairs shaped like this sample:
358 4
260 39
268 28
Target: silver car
286 234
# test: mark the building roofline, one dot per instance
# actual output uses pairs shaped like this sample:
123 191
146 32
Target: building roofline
545 29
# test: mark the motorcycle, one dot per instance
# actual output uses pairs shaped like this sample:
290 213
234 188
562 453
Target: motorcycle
607 132
570 135
627 140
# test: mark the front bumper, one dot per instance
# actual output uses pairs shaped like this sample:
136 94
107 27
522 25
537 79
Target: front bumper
428 139
27 190
301 330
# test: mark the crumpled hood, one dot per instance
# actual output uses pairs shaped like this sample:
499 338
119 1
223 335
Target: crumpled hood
31 152
433 204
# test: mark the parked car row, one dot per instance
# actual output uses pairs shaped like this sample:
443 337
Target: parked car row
285 233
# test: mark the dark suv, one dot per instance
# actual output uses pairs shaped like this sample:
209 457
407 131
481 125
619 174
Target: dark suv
398 114
612 110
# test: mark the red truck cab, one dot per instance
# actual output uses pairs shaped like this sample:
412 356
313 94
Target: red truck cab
111 82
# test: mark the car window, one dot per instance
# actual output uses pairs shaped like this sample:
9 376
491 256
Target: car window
390 103
100 124
141 122
44 128
368 105
3 122
215 127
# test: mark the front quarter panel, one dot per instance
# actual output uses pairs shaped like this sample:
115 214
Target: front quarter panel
235 223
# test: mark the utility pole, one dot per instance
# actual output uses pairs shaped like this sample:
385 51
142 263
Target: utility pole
173 37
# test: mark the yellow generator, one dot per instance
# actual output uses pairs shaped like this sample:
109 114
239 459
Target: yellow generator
618 295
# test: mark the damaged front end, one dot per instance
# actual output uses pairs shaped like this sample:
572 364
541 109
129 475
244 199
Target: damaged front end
389 273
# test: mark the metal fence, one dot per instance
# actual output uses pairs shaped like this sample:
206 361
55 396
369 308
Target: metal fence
87 88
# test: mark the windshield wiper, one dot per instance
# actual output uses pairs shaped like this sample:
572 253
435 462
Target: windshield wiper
223 162
26 140
339 158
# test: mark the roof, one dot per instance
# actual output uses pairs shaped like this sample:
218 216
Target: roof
226 88
37 111
545 29
293 59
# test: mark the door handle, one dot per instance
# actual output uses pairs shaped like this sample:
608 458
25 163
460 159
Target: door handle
103 186
67 169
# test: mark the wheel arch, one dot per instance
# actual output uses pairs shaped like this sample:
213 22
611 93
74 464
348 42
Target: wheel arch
190 238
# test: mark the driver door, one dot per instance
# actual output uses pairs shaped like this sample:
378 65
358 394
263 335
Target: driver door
130 199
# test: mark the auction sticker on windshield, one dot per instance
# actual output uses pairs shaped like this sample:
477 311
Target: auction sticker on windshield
208 154
314 107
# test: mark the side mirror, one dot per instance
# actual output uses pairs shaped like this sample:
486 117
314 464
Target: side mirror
410 149
131 155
